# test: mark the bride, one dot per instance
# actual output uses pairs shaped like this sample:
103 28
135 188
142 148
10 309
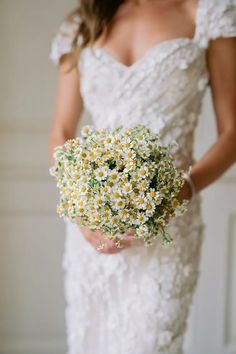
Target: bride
150 62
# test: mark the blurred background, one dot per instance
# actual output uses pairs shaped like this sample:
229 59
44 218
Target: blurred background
31 235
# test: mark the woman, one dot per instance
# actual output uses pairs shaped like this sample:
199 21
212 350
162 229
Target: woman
143 61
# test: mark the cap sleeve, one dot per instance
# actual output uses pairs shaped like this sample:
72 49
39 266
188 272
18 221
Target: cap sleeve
62 43
217 18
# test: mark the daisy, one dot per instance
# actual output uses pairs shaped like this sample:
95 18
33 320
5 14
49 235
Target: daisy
86 130
128 154
119 204
109 140
114 176
127 188
141 202
124 214
130 165
142 231
80 202
150 207
141 218
100 173
83 189
143 172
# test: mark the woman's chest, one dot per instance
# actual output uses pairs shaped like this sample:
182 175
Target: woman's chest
136 29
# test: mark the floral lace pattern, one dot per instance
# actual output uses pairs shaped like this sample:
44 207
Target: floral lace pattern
151 292
152 288
63 41
221 20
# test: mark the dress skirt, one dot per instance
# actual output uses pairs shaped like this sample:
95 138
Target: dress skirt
138 300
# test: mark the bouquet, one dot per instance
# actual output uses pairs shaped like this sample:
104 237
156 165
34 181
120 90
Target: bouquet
119 181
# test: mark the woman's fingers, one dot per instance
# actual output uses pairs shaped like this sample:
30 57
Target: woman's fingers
102 244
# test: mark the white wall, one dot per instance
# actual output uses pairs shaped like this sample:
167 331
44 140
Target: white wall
31 235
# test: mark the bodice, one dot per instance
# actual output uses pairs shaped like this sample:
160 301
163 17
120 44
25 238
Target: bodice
163 90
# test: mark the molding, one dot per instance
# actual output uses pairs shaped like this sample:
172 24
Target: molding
229 177
230 287
24 125
31 196
26 173
228 180
42 345
24 128
27 213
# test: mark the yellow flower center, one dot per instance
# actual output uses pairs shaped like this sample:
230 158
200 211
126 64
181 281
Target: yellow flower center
113 175
141 201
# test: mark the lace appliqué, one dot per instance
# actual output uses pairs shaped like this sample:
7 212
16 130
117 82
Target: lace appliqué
62 43
138 299
216 19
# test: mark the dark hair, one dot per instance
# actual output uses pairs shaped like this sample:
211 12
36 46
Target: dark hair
95 16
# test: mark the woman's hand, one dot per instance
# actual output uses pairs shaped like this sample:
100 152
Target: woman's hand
97 238
185 192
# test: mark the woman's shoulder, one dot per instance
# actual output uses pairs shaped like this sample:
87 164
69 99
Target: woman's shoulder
216 18
63 40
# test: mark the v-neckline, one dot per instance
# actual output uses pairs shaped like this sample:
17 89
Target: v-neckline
98 51
157 45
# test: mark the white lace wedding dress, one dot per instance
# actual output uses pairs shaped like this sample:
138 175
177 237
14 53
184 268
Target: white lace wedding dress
138 301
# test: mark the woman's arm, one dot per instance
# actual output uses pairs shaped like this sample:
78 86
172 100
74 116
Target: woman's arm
69 104
68 109
222 154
